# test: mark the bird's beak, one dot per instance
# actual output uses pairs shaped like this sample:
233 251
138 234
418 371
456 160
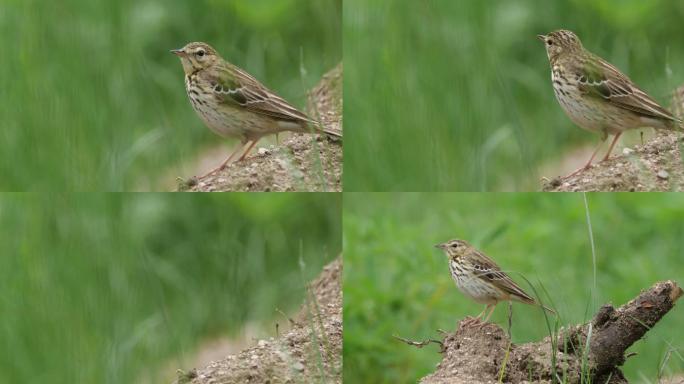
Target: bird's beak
541 37
178 52
440 246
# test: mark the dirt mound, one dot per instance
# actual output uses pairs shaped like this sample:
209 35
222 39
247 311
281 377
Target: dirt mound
655 166
310 352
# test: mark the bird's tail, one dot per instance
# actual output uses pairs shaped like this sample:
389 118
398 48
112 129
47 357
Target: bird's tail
548 309
529 300
318 127
331 132
309 126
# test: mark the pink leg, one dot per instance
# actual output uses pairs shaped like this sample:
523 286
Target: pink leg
483 312
248 149
588 164
611 146
477 319
226 161
490 313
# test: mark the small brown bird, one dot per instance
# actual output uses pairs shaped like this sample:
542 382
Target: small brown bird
479 278
596 95
232 103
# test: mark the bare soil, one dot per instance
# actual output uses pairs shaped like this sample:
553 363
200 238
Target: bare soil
311 351
302 162
655 166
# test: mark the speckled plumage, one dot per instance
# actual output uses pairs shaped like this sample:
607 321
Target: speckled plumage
480 278
232 103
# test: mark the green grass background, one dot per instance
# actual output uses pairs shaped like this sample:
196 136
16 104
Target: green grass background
92 100
396 283
111 288
456 95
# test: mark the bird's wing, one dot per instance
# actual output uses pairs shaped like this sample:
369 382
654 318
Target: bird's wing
600 79
487 269
235 86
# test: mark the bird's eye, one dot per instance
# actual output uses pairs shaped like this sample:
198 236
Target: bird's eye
200 53
454 246
549 43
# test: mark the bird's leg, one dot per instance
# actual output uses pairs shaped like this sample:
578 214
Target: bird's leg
226 161
479 322
476 319
479 317
617 136
490 313
248 149
588 164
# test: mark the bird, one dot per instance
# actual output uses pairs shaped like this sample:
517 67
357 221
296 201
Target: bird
232 103
480 278
596 95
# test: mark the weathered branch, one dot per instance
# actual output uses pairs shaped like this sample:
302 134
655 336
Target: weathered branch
616 330
480 354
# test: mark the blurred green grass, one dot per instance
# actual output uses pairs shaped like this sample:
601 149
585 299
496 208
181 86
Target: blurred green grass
456 95
111 288
92 100
396 283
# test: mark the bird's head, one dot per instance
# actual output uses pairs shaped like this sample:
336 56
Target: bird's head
454 248
559 43
196 56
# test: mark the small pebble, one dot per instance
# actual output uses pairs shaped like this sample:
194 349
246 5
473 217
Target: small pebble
263 151
663 175
263 343
627 151
298 366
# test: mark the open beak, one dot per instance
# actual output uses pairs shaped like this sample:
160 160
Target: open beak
541 37
178 52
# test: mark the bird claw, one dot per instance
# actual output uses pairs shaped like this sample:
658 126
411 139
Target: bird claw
577 171
471 321
215 170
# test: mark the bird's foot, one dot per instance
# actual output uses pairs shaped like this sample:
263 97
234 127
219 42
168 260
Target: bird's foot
215 170
605 158
577 171
471 321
